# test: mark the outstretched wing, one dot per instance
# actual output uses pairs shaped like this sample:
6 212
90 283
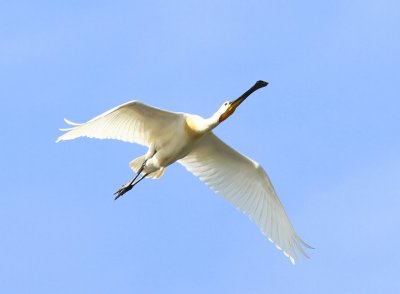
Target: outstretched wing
132 122
245 184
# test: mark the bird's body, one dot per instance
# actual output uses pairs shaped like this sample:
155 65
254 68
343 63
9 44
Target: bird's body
188 139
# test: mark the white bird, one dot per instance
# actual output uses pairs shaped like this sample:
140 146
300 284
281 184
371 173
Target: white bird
189 140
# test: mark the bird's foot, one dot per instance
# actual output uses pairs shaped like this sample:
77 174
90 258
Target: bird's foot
125 188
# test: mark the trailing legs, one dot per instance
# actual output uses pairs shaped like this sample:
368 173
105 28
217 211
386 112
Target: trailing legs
128 186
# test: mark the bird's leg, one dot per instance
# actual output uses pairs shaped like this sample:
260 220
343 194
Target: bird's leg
145 175
138 173
128 186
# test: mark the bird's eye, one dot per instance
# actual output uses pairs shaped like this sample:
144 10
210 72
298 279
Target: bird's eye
226 103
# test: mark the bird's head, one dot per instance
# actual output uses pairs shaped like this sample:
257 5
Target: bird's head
228 108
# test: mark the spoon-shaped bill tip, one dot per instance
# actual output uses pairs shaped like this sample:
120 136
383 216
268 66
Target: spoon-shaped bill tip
261 84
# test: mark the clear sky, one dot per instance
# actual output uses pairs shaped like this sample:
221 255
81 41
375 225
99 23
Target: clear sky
326 129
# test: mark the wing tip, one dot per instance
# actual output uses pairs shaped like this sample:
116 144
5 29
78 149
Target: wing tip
294 248
71 123
306 245
61 138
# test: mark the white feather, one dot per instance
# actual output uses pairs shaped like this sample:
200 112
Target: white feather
244 183
132 122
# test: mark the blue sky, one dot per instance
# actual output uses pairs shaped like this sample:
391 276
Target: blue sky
326 129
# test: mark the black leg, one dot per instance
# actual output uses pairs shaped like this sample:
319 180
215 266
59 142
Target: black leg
145 175
125 188
137 174
128 186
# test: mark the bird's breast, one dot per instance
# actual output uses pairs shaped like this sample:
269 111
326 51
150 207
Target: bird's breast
177 143
191 128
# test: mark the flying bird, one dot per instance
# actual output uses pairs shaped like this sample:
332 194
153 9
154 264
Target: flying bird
189 139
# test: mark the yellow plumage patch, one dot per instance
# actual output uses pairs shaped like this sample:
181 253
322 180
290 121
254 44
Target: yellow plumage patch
191 128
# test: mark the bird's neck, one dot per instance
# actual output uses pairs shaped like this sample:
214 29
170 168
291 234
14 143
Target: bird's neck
197 126
211 122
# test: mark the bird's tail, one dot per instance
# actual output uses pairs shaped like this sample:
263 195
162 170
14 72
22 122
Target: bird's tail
137 163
